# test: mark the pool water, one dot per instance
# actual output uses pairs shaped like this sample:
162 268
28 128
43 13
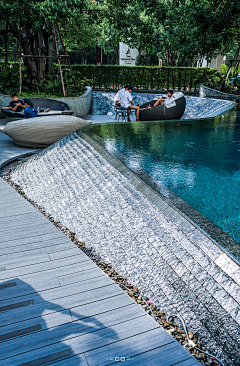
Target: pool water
199 160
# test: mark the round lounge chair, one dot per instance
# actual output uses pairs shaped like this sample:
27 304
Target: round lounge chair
162 112
42 132
57 108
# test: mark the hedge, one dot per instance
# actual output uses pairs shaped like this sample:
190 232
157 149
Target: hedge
140 77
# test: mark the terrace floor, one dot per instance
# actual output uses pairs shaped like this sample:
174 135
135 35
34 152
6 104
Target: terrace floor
57 307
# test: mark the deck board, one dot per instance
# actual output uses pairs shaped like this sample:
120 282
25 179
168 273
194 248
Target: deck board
57 306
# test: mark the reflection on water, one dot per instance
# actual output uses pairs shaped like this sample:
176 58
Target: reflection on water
199 160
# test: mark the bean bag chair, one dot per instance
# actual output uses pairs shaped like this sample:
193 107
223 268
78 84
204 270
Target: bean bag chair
41 132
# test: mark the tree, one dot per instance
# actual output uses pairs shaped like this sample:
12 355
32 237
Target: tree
32 23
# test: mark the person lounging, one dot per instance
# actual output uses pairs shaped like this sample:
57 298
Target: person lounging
29 111
126 102
16 105
169 98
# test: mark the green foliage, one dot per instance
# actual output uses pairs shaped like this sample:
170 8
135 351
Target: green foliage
213 79
209 77
49 87
140 77
224 69
9 79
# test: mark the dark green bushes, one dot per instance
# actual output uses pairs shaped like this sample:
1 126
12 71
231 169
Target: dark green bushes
49 87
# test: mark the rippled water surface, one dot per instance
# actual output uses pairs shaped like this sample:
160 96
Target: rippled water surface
199 160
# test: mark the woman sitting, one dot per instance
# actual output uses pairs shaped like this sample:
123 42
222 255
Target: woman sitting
29 111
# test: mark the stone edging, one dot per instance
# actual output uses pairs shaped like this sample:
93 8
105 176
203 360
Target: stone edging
80 105
204 91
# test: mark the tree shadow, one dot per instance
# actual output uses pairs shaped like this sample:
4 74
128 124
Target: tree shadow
37 331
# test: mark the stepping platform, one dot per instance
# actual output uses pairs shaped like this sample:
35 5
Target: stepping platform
57 307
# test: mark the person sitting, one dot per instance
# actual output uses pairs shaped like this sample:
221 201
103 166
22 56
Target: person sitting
117 99
29 111
126 102
162 100
16 105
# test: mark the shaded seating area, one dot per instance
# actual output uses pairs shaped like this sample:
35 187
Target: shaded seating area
55 106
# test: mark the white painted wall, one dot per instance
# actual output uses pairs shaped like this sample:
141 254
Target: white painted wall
215 63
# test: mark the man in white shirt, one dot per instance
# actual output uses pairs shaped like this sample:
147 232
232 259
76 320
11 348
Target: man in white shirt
161 100
126 102
117 99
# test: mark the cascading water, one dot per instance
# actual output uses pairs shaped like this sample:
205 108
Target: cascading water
196 107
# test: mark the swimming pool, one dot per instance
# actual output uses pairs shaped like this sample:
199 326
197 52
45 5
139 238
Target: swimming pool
198 160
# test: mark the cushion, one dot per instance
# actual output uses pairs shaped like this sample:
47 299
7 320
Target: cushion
42 131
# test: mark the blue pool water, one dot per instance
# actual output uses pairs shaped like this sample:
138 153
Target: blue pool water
199 160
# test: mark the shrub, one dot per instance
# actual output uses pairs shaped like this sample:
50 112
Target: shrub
49 87
141 77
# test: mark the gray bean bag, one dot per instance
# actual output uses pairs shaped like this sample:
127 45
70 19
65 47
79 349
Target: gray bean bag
42 132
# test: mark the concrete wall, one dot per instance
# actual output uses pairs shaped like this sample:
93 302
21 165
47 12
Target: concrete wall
80 105
204 91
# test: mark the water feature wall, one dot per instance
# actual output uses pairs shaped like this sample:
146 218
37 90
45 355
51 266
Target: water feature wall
196 107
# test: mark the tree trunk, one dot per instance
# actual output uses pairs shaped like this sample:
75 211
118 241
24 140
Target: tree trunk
35 45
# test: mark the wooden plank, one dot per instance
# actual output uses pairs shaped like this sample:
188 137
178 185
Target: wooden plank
64 254
34 268
61 317
18 234
44 338
72 361
190 362
15 203
24 262
39 241
41 283
26 291
128 348
81 275
49 279
69 297
86 342
42 322
168 355
26 216
17 211
42 250
11 203
23 223
35 239
41 247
